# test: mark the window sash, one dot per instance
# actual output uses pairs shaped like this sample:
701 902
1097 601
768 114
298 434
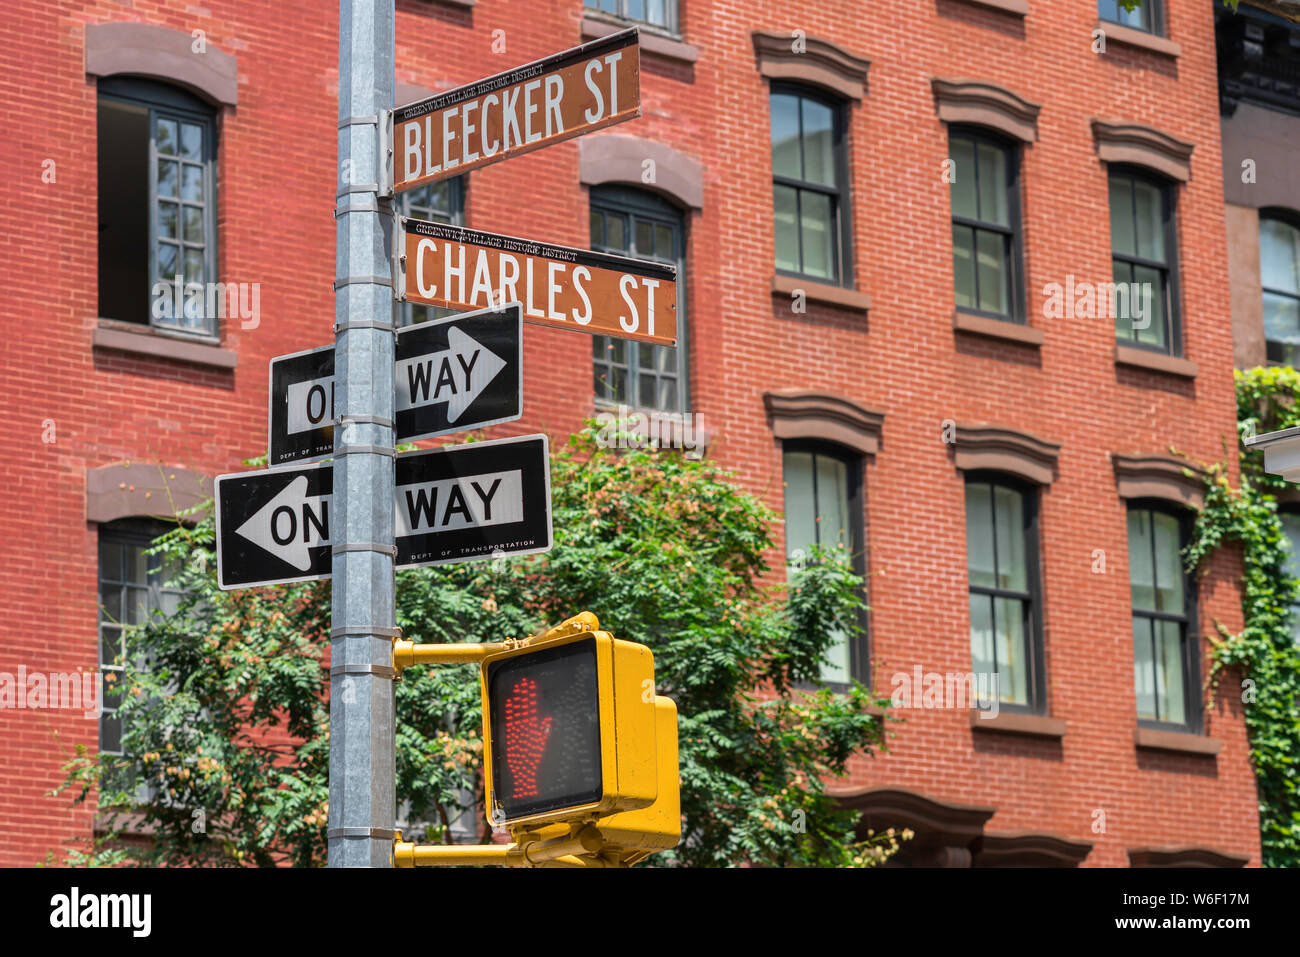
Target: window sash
855 661
837 225
1011 282
410 204
206 326
131 592
1023 685
1151 618
1167 294
644 367
640 10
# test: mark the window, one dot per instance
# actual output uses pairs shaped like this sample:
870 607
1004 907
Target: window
985 225
1161 598
630 222
823 506
809 186
1142 251
131 587
659 13
440 202
1291 528
1145 16
1279 274
157 205
1002 570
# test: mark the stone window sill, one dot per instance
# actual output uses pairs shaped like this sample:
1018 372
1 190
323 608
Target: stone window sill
1019 7
821 292
1180 742
997 329
463 4
1154 361
1014 722
652 40
144 340
1127 36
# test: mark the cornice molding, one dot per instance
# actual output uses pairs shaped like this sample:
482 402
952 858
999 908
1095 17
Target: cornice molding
1028 850
1120 142
1184 857
1000 449
985 104
1159 476
138 490
821 416
820 63
143 49
619 158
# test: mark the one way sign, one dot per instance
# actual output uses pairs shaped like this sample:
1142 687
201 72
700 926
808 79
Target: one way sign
455 374
453 504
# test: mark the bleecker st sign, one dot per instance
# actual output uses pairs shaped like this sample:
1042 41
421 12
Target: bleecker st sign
557 285
583 89
453 504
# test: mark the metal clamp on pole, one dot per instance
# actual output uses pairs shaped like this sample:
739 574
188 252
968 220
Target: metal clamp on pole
382 671
362 281
389 550
371 120
385 124
364 631
365 324
343 450
354 419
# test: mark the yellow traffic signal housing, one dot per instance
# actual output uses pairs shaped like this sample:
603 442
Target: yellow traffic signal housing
659 826
569 727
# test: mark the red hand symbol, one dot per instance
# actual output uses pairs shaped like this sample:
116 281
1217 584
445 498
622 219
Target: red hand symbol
525 737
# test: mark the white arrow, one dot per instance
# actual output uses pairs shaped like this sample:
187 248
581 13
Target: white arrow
456 375
290 523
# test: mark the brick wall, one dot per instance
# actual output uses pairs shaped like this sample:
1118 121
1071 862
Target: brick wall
277 174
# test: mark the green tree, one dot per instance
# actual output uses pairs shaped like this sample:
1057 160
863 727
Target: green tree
225 703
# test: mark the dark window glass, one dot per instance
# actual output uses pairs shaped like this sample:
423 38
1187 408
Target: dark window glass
1279 275
659 13
157 206
1144 16
1001 563
809 173
1142 257
440 202
985 225
823 508
635 223
1161 598
132 586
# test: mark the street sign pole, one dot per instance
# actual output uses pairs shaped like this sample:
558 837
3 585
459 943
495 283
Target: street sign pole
362 802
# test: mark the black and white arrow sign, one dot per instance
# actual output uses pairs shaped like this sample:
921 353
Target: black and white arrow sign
455 374
453 504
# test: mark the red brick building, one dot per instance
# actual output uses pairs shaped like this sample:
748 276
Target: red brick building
889 219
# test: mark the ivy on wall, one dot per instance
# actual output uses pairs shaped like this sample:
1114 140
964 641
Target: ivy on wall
1264 653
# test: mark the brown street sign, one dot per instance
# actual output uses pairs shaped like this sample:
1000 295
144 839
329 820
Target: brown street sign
558 285
547 101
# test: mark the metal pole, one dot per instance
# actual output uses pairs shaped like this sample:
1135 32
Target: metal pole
362 804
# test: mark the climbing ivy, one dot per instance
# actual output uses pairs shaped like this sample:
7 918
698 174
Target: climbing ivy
1263 654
